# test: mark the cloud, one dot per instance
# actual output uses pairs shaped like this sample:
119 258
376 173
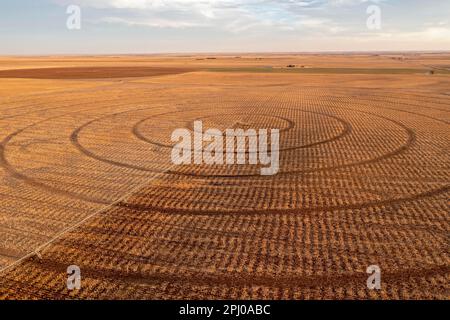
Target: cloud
337 19
229 15
429 34
155 23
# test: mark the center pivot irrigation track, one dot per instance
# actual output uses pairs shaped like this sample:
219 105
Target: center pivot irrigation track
363 180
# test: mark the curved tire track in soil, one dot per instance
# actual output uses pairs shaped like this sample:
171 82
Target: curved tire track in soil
172 237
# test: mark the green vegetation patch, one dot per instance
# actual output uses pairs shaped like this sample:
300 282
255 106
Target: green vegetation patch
329 70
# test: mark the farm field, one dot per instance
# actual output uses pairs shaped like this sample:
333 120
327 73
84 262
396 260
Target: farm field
87 178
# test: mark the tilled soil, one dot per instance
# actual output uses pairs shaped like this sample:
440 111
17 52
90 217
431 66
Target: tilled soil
363 180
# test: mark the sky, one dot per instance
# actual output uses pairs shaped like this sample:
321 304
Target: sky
30 27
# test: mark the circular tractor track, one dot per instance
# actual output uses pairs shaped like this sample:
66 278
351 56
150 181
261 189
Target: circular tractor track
362 180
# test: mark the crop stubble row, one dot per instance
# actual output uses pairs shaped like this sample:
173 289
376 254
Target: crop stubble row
363 180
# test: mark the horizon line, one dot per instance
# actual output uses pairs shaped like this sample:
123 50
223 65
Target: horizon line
228 53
